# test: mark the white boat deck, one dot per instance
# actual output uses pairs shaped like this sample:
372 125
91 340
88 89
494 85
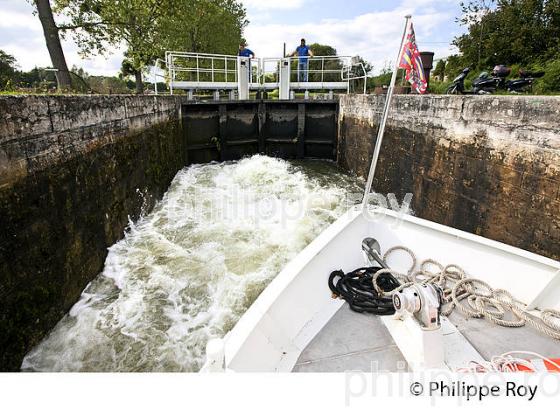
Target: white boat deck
491 340
360 342
293 326
352 342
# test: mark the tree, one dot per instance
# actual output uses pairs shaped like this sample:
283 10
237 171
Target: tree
509 31
453 66
205 26
439 71
52 38
322 50
7 69
149 27
128 69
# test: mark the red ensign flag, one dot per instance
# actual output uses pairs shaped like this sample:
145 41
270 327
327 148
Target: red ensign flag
412 63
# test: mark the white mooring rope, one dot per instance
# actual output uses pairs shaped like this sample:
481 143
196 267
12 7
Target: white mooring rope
507 362
482 301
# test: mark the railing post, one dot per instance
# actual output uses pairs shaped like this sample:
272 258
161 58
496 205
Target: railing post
172 74
285 72
243 78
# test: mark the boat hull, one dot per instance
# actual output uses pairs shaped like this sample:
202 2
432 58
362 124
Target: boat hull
297 304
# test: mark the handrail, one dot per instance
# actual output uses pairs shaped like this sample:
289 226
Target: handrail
198 70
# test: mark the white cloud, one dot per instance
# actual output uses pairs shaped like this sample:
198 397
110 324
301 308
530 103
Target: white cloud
21 35
273 4
12 19
374 36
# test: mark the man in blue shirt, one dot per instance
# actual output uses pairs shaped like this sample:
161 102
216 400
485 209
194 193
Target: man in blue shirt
303 52
245 52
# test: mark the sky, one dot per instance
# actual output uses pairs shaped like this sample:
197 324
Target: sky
369 28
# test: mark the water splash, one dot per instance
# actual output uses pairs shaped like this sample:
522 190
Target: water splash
187 271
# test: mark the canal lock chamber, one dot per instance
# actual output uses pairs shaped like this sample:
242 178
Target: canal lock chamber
76 171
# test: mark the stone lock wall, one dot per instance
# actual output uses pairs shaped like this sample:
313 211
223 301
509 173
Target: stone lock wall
489 165
72 171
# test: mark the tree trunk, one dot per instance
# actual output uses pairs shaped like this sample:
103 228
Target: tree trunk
139 83
53 44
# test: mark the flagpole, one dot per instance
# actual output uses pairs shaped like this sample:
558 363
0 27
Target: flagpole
381 130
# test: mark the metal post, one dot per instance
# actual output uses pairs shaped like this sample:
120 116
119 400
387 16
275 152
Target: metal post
172 68
155 80
285 73
365 79
243 78
381 131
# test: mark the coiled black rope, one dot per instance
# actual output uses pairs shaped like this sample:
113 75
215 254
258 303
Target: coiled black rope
357 289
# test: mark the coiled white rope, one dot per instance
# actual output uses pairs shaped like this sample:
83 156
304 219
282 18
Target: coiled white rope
482 301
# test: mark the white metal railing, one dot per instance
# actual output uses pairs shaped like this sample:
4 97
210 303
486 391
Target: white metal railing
270 73
356 62
203 71
320 69
255 72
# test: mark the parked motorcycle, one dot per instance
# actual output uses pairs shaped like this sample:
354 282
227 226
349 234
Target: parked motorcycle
487 83
524 83
458 84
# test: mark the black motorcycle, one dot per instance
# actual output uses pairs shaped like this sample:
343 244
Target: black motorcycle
525 83
489 84
458 84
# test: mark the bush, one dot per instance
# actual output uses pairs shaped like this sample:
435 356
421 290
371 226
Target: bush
438 87
550 83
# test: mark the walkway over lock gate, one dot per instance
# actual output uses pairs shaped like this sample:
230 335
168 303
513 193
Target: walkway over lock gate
241 75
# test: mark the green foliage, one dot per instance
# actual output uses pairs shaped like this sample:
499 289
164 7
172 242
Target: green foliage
516 33
439 70
204 26
454 65
509 32
41 81
149 27
108 85
8 71
322 50
550 83
438 87
384 78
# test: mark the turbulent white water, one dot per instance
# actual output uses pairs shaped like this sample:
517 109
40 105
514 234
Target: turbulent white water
192 267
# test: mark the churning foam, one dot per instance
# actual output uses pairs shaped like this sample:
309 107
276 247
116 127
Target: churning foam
187 271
